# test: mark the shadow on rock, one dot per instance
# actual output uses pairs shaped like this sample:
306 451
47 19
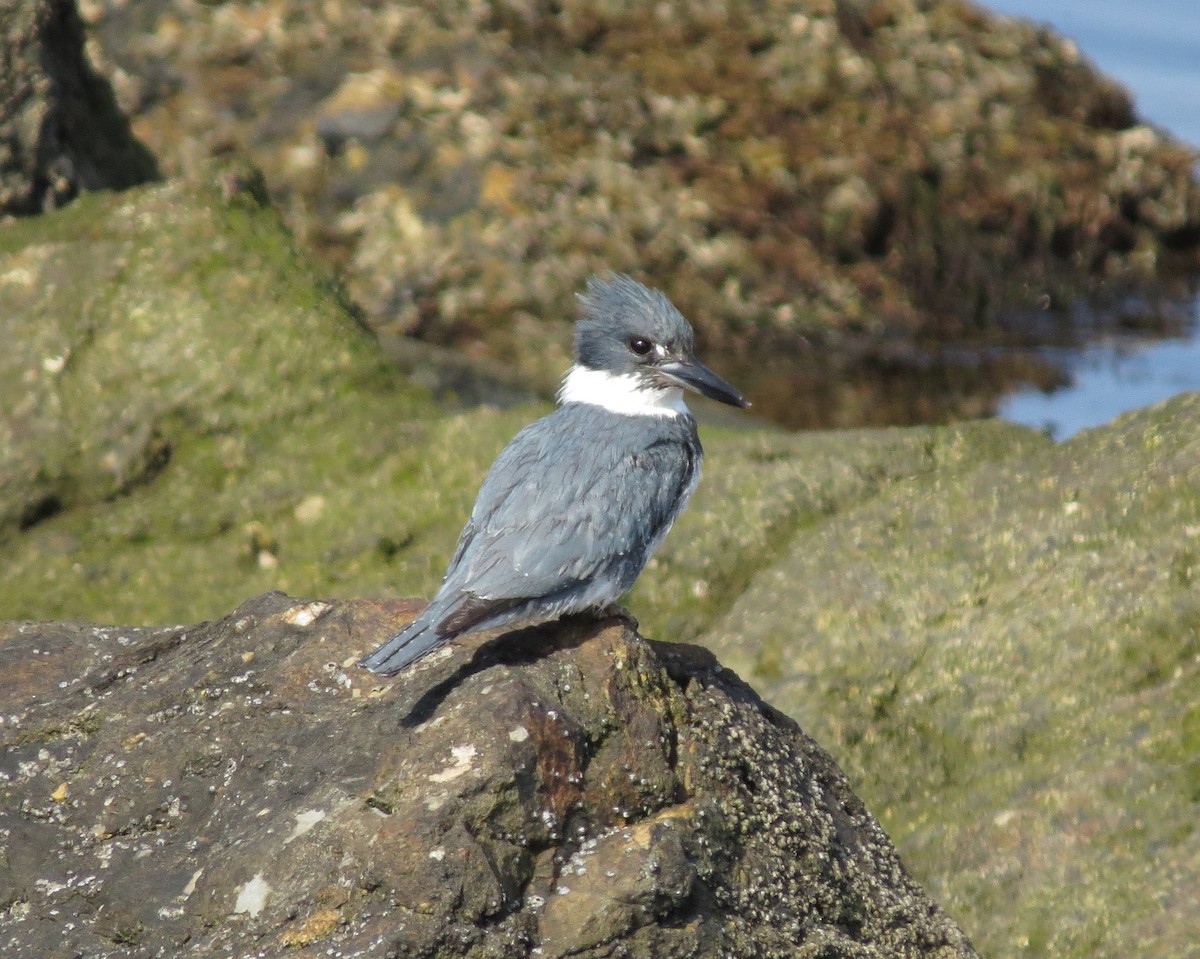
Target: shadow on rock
517 647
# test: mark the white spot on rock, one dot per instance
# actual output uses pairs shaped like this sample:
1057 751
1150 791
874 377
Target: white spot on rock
462 764
518 735
307 614
191 884
435 801
252 897
304 822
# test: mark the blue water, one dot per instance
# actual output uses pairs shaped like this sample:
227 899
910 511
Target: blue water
1153 49
1109 377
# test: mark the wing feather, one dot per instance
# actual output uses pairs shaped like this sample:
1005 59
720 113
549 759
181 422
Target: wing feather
571 500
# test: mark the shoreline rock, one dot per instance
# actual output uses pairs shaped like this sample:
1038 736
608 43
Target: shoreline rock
236 786
999 634
867 177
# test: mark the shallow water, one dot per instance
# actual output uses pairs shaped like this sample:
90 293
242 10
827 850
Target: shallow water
1113 375
1153 48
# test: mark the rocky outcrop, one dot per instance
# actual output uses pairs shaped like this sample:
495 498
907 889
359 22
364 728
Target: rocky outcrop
862 175
149 334
60 128
1009 671
239 787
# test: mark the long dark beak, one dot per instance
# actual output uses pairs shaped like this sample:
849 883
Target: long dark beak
691 374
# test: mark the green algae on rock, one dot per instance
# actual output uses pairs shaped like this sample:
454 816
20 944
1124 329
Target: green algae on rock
1006 658
172 374
191 407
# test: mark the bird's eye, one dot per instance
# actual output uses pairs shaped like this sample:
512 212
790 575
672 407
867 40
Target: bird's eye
640 345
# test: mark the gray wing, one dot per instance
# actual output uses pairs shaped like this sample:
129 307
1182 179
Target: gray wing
577 497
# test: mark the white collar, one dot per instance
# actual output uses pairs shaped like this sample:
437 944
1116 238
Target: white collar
623 393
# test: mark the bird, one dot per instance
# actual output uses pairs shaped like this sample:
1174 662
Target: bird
572 509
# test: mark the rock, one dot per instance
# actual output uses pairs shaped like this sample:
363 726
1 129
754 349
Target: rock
123 347
240 787
848 173
60 128
1005 657
180 380
998 634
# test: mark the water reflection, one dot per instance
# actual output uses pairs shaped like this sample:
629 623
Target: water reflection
1118 373
1057 372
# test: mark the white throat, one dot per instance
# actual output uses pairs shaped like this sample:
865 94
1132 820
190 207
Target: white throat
623 393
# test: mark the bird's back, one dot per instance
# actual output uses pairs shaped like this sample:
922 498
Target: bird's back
572 509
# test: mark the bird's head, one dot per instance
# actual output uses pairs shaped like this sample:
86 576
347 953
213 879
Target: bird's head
635 337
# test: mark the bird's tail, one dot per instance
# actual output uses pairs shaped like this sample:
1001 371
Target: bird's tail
417 639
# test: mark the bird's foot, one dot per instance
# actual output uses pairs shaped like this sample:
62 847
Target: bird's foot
617 611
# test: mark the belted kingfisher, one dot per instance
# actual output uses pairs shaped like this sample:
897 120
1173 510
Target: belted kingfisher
574 506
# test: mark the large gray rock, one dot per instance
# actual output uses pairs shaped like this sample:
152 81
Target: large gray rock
60 129
239 787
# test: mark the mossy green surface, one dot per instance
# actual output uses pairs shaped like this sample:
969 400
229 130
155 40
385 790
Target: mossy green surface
1006 658
760 487
177 380
200 419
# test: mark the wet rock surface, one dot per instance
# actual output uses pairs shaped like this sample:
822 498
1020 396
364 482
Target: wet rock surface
238 787
60 128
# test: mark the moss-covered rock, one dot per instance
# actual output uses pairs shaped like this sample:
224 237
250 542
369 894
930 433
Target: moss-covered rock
174 378
1006 656
191 405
